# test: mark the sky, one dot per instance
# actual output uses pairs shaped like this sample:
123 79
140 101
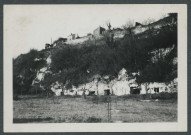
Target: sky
32 26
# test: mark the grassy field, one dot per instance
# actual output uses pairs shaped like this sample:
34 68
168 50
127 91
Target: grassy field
93 109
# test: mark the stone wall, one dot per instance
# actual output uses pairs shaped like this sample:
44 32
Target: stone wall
79 40
98 32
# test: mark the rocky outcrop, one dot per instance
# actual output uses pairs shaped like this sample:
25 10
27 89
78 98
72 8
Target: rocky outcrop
41 73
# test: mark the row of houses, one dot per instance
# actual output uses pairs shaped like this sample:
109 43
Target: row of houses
119 86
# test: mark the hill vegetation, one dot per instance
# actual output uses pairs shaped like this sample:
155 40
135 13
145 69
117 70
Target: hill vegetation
75 65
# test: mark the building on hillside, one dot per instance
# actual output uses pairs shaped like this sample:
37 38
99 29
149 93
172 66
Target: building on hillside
170 20
80 40
72 37
138 24
98 32
155 87
118 33
60 41
89 34
142 30
139 28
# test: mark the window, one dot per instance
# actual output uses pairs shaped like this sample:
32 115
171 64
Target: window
156 90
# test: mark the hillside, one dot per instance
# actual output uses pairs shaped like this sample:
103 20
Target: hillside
135 59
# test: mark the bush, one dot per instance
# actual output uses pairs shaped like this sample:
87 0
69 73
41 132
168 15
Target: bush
160 96
93 120
164 95
76 118
72 96
15 97
36 90
99 99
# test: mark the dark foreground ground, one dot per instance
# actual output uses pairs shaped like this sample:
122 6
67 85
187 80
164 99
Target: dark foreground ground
93 109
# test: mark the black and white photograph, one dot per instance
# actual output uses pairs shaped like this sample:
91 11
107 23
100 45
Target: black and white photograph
107 65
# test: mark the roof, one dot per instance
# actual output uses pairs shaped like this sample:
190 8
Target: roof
138 24
101 28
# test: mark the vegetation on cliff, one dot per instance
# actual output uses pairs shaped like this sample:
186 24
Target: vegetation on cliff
74 65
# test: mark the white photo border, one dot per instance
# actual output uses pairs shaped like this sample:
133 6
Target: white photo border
179 126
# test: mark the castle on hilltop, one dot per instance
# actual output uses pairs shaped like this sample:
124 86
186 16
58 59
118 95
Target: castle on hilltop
139 30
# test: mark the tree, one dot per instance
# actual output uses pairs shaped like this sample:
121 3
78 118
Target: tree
24 70
128 25
108 25
108 38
